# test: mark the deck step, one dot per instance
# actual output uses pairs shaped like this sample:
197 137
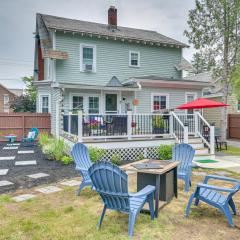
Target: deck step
197 145
201 151
195 140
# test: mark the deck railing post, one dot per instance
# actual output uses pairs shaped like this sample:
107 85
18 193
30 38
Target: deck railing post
57 119
80 126
196 123
171 123
69 122
212 139
129 124
185 133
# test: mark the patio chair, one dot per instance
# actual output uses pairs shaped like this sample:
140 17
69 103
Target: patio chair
218 197
184 153
112 185
82 160
31 138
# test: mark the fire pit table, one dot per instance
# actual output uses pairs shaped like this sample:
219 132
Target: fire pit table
160 173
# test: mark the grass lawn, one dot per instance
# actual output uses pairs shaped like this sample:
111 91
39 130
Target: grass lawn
64 215
232 150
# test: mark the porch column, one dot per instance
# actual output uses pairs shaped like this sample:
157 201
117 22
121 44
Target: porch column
185 133
129 124
80 126
196 123
212 139
120 101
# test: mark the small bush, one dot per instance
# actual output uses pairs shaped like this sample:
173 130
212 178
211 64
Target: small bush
96 153
66 160
116 159
164 152
44 139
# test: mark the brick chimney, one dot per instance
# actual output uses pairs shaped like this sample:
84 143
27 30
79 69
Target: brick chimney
112 17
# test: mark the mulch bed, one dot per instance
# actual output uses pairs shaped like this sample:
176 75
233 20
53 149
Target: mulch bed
18 174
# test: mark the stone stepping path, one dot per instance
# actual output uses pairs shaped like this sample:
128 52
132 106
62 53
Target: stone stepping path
5 183
10 148
38 175
23 197
25 163
71 183
7 158
13 144
24 152
3 172
49 189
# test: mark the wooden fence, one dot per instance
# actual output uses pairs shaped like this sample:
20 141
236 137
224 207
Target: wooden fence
234 126
20 123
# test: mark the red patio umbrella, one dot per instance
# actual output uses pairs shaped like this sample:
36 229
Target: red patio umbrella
202 103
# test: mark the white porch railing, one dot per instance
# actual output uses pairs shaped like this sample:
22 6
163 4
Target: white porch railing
128 126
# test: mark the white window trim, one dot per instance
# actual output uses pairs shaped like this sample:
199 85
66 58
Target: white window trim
6 95
136 52
85 100
40 102
82 45
190 93
159 94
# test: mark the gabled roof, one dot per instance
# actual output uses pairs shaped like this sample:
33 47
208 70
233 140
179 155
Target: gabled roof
73 25
8 90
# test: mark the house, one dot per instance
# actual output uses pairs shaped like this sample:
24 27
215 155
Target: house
104 81
6 96
214 92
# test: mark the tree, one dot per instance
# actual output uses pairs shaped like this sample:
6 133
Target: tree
26 102
214 30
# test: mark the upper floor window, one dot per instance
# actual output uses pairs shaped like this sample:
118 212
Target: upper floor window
5 99
87 58
159 102
134 59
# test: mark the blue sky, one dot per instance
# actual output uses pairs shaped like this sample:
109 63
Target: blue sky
17 24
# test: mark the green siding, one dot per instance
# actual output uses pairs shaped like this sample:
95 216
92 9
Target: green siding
113 60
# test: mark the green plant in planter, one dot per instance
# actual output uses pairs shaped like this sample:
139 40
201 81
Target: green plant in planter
158 122
66 160
164 152
116 159
96 153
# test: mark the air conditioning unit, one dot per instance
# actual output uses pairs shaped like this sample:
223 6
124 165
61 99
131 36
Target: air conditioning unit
88 68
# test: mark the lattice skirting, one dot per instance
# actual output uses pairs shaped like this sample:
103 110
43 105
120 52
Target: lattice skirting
131 154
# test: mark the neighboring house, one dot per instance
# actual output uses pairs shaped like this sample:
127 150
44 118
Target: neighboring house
105 68
213 115
6 96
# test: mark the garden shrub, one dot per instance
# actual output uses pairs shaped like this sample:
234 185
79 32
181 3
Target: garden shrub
44 138
96 153
66 160
116 159
164 152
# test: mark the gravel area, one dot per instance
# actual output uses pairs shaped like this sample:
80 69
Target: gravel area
18 175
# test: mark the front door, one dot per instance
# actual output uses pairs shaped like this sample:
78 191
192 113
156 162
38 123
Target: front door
111 103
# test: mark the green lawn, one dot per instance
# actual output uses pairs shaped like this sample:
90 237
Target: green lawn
64 215
232 150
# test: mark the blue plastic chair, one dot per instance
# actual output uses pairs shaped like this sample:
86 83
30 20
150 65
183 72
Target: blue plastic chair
112 185
82 160
29 141
213 195
184 153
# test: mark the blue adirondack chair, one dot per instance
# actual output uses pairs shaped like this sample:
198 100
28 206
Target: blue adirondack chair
31 138
112 185
184 153
213 195
82 160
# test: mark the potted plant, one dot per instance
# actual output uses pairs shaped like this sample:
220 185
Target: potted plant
158 125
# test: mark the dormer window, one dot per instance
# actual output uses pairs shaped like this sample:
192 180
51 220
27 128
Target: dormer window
134 59
87 58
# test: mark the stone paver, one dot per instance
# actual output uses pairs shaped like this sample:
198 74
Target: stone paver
10 148
49 189
25 163
13 144
27 151
3 172
38 175
7 158
71 183
23 197
5 183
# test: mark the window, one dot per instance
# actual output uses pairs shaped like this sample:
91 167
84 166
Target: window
45 104
93 104
87 58
111 103
159 102
77 102
5 99
189 98
134 59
